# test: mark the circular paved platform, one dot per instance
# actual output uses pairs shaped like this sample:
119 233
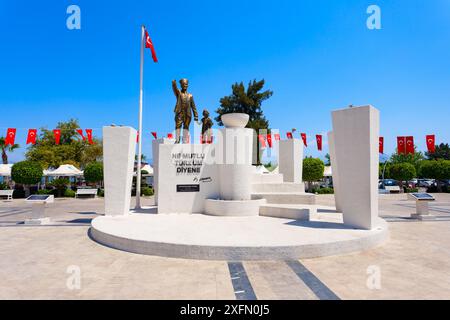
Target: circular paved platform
198 236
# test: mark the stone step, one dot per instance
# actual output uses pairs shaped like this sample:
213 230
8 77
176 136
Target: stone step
297 212
278 187
267 178
286 197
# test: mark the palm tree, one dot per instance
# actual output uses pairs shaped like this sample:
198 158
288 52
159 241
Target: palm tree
6 148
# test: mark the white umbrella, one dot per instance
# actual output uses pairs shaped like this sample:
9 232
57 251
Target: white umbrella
65 170
5 170
147 168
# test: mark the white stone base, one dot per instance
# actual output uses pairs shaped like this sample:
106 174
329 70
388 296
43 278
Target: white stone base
197 236
233 208
424 217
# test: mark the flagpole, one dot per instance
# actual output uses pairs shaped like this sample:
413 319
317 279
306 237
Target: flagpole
138 171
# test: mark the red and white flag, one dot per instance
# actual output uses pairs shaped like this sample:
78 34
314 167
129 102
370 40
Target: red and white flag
80 132
137 136
269 140
155 135
410 145
401 145
305 142
319 142
31 138
10 136
89 136
431 143
149 44
169 136
277 136
57 135
381 147
289 135
262 141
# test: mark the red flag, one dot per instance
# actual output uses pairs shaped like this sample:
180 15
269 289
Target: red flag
137 136
410 145
401 145
31 138
155 135
57 135
289 135
277 136
269 140
10 136
89 136
149 44
381 145
431 143
170 136
80 132
262 141
319 142
304 139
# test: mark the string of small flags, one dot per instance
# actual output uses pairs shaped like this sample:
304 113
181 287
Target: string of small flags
405 144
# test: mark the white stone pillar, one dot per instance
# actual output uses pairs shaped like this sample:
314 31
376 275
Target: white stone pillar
356 135
335 172
155 156
119 149
290 160
235 171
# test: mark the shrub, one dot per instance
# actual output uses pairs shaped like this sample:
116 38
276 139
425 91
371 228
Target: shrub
436 169
403 171
411 190
101 192
325 191
44 191
69 193
147 191
26 172
93 172
19 194
312 170
4 186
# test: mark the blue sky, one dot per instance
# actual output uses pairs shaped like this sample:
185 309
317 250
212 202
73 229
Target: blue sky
315 55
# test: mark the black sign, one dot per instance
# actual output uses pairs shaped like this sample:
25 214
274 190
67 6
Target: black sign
423 196
188 188
38 198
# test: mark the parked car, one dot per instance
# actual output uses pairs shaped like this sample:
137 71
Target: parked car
425 183
389 185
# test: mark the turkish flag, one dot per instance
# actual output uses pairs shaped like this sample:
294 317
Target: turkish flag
304 139
31 138
289 135
431 143
89 136
137 136
319 142
57 135
409 145
80 132
401 145
10 136
149 44
381 147
170 136
269 140
262 141
277 137
155 135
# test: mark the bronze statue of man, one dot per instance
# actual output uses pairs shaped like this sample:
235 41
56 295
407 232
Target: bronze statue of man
206 127
183 109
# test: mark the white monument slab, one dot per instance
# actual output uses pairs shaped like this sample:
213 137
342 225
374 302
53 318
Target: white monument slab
119 148
356 135
290 160
335 172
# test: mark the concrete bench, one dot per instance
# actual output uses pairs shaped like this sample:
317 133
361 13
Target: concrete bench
7 193
86 192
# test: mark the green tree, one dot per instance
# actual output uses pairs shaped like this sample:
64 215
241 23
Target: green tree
6 148
71 148
435 169
313 169
93 172
27 173
442 152
247 101
60 185
327 160
414 159
402 172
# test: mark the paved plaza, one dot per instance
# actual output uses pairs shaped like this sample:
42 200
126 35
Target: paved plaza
38 262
